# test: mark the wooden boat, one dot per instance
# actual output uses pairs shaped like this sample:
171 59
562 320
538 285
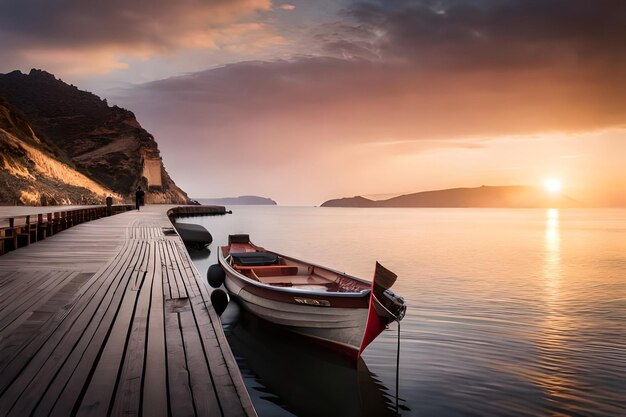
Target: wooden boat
340 311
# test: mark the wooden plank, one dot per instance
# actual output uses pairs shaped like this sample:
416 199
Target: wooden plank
221 373
102 386
81 365
7 274
187 280
168 273
18 285
35 299
224 372
63 394
111 330
155 398
174 271
10 364
198 280
41 282
50 350
205 399
7 278
228 381
179 385
167 292
127 400
37 323
11 344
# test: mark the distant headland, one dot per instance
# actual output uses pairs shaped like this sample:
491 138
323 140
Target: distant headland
515 196
244 200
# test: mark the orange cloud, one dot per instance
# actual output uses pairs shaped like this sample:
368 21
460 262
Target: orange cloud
83 38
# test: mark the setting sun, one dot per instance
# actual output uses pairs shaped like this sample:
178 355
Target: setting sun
553 185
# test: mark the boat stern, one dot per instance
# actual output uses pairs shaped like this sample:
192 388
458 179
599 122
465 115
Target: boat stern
385 306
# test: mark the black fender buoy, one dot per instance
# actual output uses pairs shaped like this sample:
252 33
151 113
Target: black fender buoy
194 235
219 299
215 275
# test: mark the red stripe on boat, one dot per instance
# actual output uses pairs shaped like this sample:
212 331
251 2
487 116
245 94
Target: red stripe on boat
374 326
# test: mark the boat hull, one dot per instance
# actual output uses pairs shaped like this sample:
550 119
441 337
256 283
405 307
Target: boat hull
334 321
342 312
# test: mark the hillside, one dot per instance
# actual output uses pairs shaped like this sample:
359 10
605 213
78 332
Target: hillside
485 196
33 172
105 144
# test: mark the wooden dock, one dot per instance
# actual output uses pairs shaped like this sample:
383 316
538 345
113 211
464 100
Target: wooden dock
21 226
111 317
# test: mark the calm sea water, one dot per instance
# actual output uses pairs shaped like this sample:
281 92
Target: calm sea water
511 312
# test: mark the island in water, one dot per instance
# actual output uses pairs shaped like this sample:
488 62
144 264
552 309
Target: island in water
515 196
244 200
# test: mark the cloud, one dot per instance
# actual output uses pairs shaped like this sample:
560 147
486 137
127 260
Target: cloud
360 101
420 75
416 73
508 33
287 6
105 34
436 69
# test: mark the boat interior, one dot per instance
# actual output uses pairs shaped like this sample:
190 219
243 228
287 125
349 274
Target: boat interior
272 269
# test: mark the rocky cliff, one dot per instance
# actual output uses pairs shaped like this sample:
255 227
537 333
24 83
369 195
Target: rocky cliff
104 143
34 172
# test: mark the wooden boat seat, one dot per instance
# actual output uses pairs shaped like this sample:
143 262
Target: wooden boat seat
254 258
241 248
269 271
294 280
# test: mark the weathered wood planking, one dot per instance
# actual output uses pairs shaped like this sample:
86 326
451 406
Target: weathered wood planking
23 226
111 317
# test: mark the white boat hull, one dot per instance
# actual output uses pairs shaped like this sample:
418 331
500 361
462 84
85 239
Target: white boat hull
342 312
341 326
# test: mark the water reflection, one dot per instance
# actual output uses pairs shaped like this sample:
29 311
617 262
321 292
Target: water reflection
199 254
557 371
514 312
303 379
552 243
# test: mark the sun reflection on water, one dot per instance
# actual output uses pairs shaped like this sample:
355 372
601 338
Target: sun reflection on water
556 376
552 264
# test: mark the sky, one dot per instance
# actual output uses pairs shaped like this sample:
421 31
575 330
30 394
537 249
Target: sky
304 101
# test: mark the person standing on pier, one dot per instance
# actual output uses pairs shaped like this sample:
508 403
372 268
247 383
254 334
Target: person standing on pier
139 197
